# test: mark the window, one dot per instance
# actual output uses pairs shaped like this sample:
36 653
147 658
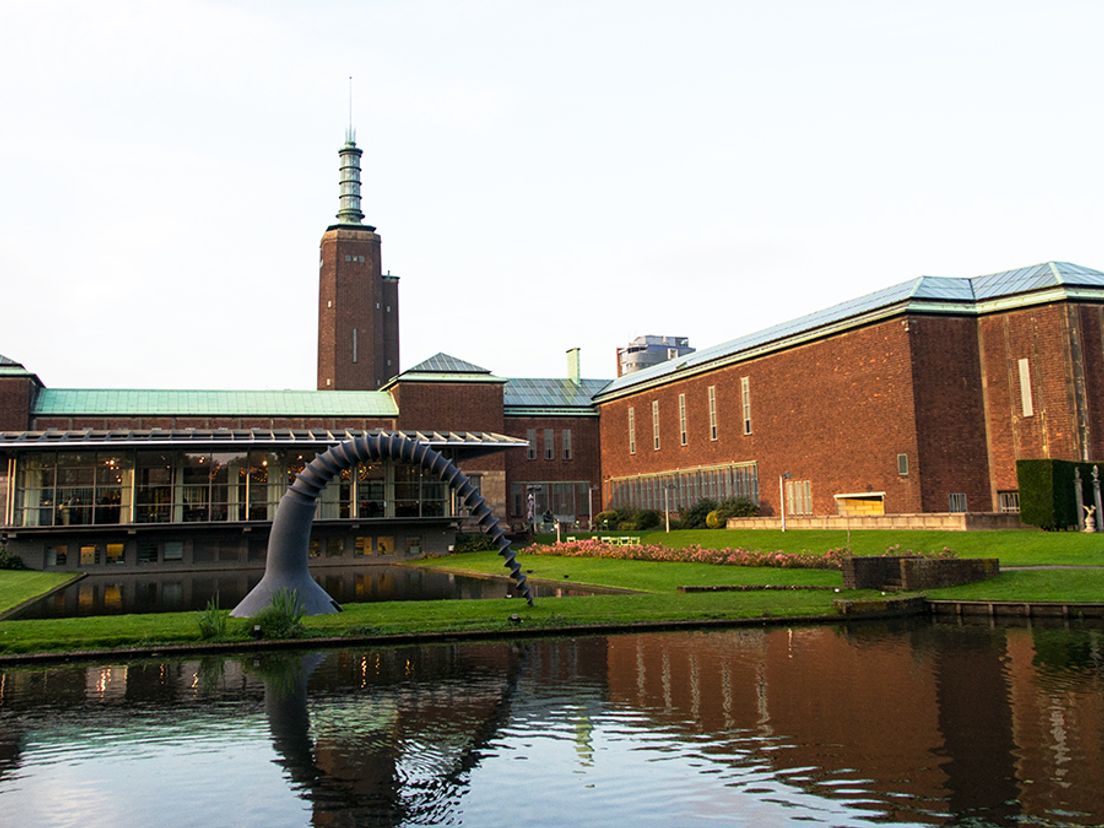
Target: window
116 553
362 548
172 551
550 444
655 424
682 420
685 487
567 451
1008 501
745 395
957 502
1026 403
57 555
632 430
531 451
902 465
712 412
354 344
147 552
799 497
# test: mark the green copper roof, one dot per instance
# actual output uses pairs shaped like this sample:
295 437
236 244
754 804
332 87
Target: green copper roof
5 362
147 402
530 392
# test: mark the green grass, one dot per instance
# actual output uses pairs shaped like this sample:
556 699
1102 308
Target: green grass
397 617
17 586
1018 547
649 576
1063 585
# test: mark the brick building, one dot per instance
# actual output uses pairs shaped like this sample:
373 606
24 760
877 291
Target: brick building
917 399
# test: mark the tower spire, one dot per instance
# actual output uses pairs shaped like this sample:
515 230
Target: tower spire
349 211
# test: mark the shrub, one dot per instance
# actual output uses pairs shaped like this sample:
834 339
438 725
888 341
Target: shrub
473 542
648 519
283 618
628 525
1047 492
714 520
694 517
607 519
738 507
9 561
213 621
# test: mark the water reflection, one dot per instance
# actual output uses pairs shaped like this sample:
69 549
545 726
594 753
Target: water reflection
906 723
183 591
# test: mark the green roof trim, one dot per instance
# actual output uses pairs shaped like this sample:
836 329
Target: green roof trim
54 402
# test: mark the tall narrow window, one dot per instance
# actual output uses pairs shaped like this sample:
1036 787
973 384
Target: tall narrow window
1025 389
531 451
550 444
354 344
957 501
682 420
799 497
745 394
566 439
712 412
632 430
655 424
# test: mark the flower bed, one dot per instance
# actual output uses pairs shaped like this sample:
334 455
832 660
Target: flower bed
832 559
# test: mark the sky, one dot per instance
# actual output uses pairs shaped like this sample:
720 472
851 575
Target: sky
544 175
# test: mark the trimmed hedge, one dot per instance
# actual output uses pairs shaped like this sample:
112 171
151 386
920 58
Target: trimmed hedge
1047 496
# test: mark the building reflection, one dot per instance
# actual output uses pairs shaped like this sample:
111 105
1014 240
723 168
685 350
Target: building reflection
925 723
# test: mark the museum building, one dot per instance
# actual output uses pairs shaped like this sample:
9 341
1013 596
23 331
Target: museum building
917 399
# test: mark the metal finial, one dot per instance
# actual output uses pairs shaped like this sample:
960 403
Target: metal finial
350 134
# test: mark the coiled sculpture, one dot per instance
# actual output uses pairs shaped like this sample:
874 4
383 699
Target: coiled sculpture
289 541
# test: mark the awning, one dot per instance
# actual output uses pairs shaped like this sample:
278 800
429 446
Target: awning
466 443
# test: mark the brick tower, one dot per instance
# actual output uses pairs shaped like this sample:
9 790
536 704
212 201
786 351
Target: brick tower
358 306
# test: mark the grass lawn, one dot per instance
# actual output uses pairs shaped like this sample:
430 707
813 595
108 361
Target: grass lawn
1063 585
395 617
17 586
649 576
1018 547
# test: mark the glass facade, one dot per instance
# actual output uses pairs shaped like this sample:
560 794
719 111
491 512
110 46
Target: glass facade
74 488
686 487
566 499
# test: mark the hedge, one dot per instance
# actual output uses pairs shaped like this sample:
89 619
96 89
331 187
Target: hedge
1047 496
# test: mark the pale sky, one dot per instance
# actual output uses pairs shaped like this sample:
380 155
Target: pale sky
543 174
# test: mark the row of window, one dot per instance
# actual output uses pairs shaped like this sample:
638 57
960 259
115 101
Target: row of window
105 488
682 489
684 429
549 444
65 555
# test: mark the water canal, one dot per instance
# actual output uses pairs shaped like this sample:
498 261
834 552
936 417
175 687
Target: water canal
183 591
905 723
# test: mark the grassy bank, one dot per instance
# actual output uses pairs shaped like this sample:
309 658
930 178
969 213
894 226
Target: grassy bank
1062 585
1020 547
647 576
404 617
17 586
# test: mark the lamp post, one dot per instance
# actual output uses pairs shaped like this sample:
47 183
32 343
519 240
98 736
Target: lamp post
667 506
782 478
590 506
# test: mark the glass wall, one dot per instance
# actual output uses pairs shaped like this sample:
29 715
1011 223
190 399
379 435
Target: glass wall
687 487
565 499
150 486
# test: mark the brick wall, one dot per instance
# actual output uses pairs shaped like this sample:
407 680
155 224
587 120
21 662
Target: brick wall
950 415
586 455
836 411
1042 336
16 398
349 296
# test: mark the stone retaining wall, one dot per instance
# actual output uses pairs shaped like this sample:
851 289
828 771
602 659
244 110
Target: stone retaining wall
943 521
912 573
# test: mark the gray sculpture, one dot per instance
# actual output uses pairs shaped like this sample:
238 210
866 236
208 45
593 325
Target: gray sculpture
289 541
